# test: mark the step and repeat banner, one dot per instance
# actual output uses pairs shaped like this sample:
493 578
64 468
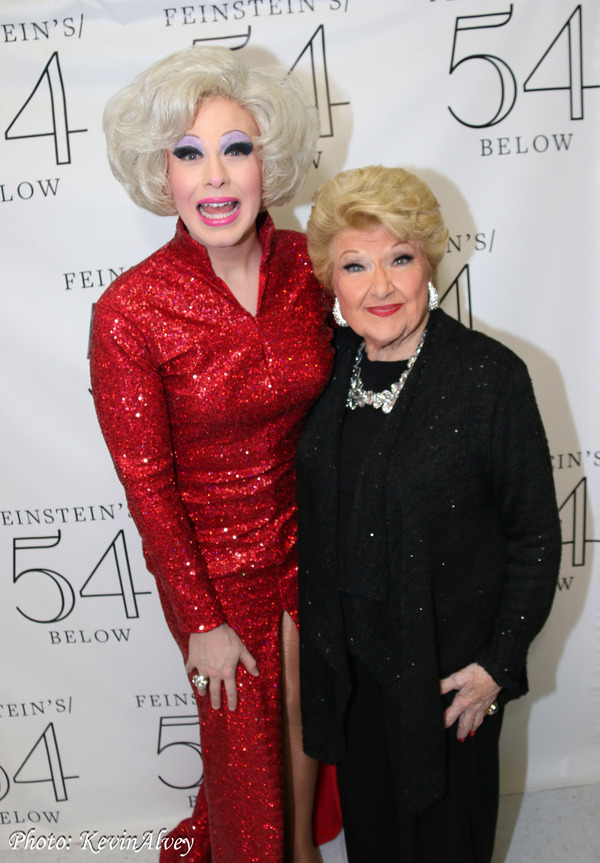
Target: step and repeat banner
495 104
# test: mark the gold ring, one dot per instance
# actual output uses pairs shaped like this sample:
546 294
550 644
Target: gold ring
493 708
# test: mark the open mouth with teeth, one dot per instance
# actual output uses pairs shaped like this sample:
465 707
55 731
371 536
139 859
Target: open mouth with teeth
222 212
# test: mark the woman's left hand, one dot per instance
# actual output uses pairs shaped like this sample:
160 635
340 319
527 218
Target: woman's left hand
475 692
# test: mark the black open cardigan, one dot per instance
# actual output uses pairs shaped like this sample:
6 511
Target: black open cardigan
454 543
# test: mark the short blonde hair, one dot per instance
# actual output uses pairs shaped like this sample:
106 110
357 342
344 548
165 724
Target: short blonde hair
148 116
365 198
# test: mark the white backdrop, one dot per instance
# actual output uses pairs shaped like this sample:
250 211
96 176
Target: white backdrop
497 106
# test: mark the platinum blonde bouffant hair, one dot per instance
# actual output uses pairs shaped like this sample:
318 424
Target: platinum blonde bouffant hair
367 198
148 116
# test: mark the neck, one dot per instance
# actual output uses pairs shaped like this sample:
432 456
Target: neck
239 267
228 262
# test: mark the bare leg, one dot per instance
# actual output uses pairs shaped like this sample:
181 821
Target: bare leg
300 771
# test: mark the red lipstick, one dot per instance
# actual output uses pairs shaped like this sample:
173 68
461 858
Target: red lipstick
385 311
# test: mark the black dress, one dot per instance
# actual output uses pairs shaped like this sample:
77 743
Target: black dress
377 824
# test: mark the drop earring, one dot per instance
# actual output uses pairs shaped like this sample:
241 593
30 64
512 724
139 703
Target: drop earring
434 299
337 314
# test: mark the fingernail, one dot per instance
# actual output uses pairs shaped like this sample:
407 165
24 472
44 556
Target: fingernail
471 734
461 739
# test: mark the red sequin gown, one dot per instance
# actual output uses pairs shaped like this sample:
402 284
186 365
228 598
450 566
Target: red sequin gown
201 405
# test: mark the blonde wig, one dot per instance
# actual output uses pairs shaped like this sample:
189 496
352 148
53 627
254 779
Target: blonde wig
148 116
364 199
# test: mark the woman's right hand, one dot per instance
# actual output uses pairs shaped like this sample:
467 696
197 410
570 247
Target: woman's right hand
215 654
475 690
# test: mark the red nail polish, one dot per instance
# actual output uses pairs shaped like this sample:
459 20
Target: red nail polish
471 734
461 739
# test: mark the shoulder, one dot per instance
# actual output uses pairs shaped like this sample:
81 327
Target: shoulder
470 349
289 267
289 242
132 287
346 343
283 247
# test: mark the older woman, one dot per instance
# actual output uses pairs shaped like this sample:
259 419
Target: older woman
429 539
205 359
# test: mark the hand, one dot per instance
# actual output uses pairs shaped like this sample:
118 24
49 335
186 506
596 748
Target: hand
216 655
475 691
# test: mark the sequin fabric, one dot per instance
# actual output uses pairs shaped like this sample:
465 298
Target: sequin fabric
201 406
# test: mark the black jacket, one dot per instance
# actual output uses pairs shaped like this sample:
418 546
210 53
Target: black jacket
454 543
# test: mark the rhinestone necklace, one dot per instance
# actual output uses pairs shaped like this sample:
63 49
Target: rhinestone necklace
359 397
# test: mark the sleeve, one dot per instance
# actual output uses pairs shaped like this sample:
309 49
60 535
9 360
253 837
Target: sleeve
524 492
132 412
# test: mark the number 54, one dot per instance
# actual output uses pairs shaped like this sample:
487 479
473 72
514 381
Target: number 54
569 39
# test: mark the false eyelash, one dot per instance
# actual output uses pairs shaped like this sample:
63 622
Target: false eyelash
244 147
186 150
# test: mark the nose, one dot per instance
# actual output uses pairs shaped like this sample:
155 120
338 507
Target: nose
215 172
381 285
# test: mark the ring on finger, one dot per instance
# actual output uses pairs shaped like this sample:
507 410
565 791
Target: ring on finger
200 681
493 708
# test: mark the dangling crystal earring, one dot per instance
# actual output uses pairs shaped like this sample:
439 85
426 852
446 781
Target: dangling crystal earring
434 299
337 314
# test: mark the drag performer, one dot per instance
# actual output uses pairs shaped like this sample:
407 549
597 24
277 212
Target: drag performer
205 359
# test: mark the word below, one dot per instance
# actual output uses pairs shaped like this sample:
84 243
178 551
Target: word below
519 146
100 636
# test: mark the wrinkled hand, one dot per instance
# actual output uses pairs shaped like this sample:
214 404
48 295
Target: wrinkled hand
475 691
216 655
